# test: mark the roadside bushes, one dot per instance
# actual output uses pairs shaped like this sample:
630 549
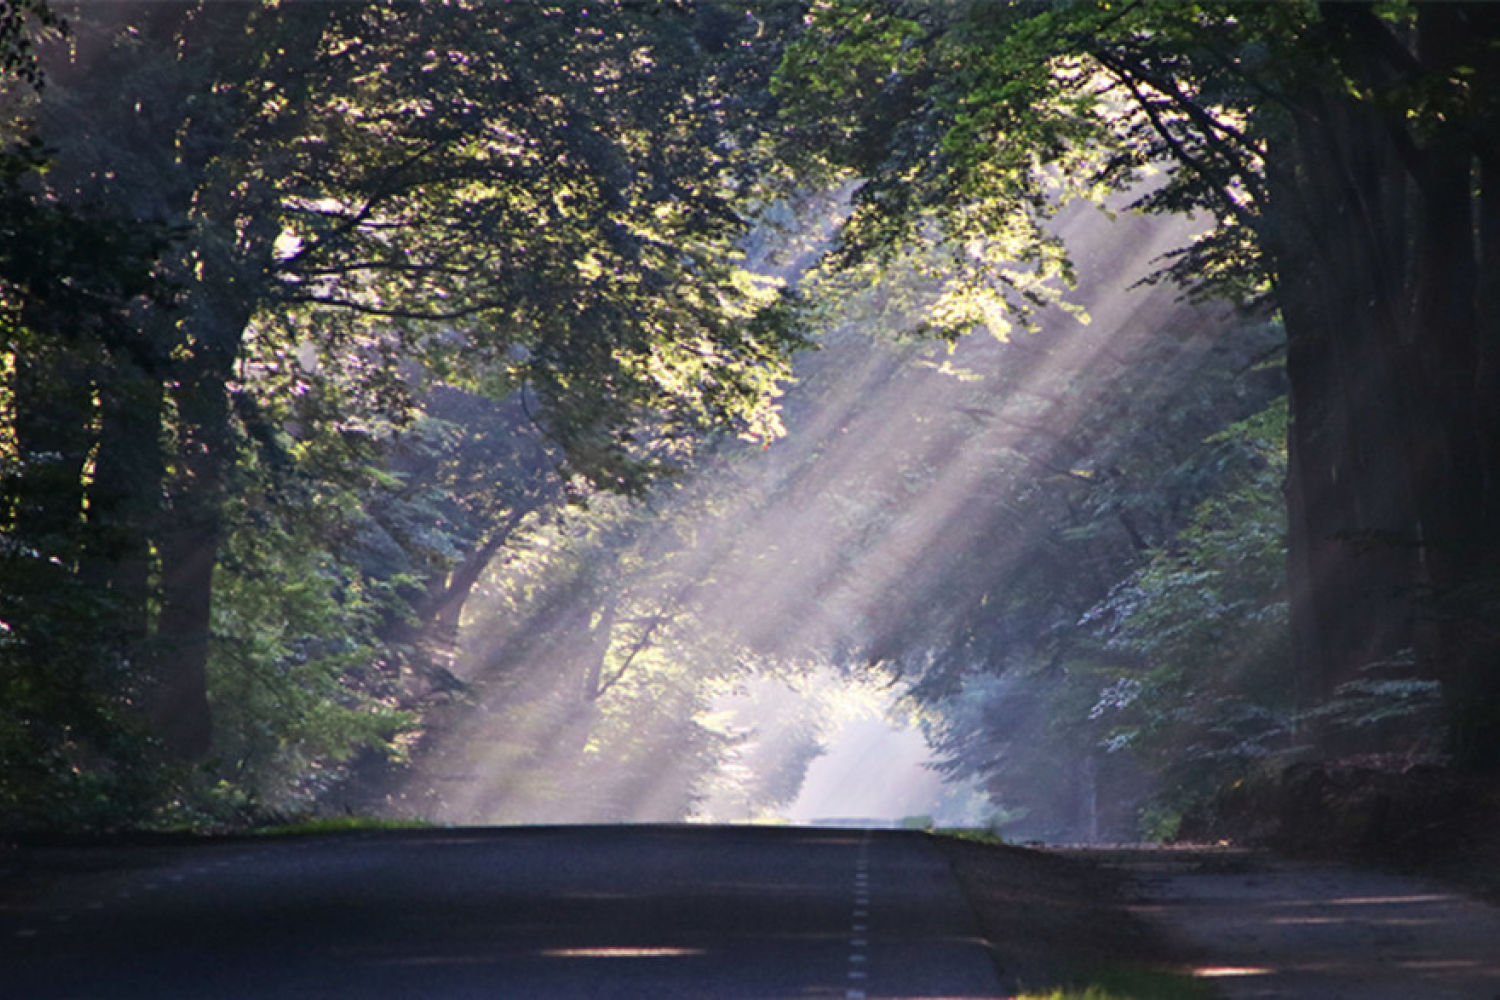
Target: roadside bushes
1375 807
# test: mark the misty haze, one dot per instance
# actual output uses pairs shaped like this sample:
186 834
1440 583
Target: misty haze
597 497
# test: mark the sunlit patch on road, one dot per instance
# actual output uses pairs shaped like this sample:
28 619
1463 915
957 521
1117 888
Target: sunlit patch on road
1230 971
621 952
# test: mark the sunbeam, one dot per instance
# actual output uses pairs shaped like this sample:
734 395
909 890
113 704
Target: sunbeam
900 459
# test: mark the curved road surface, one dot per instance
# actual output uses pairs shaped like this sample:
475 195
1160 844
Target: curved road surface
586 912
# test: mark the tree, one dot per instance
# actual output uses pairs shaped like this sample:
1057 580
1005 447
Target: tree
1341 151
348 209
69 279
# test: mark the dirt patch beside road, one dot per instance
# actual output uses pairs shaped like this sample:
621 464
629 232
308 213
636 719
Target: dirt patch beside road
1248 925
1266 927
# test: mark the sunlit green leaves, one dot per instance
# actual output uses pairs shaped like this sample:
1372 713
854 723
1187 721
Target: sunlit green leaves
434 267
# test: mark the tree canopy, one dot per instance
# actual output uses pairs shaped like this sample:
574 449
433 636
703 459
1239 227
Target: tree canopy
1341 158
329 329
282 234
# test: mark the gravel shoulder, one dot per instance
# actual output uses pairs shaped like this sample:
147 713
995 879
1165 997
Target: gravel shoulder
1267 927
1244 924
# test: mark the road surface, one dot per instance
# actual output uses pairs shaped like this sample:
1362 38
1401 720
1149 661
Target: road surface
637 912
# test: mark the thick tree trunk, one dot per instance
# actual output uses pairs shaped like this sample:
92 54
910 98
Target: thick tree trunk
178 702
1352 544
1456 466
193 527
123 502
1386 265
189 548
1484 722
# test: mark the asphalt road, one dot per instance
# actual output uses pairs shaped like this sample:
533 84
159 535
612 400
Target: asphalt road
638 912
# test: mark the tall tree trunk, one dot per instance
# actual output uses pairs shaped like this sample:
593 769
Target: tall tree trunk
1351 509
1486 668
193 528
189 548
1455 467
123 502
1393 366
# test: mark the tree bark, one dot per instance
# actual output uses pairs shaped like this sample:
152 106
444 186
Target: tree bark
1384 261
1351 511
192 532
189 548
123 502
444 610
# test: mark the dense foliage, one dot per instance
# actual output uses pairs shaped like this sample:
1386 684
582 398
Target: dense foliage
254 254
1342 156
320 320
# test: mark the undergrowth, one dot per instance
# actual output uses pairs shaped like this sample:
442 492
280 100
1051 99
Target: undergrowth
1128 984
339 824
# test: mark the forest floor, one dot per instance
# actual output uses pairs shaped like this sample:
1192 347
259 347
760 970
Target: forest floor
1243 924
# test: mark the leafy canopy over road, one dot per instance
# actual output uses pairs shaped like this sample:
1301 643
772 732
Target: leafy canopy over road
1344 155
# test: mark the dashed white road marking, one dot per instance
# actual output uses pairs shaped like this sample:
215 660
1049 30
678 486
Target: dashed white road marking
858 927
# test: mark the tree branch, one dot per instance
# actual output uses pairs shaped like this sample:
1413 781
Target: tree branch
1234 166
395 312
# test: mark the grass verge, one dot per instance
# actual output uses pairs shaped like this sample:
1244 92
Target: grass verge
1128 984
338 824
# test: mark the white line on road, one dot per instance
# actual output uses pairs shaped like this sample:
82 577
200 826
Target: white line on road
858 944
